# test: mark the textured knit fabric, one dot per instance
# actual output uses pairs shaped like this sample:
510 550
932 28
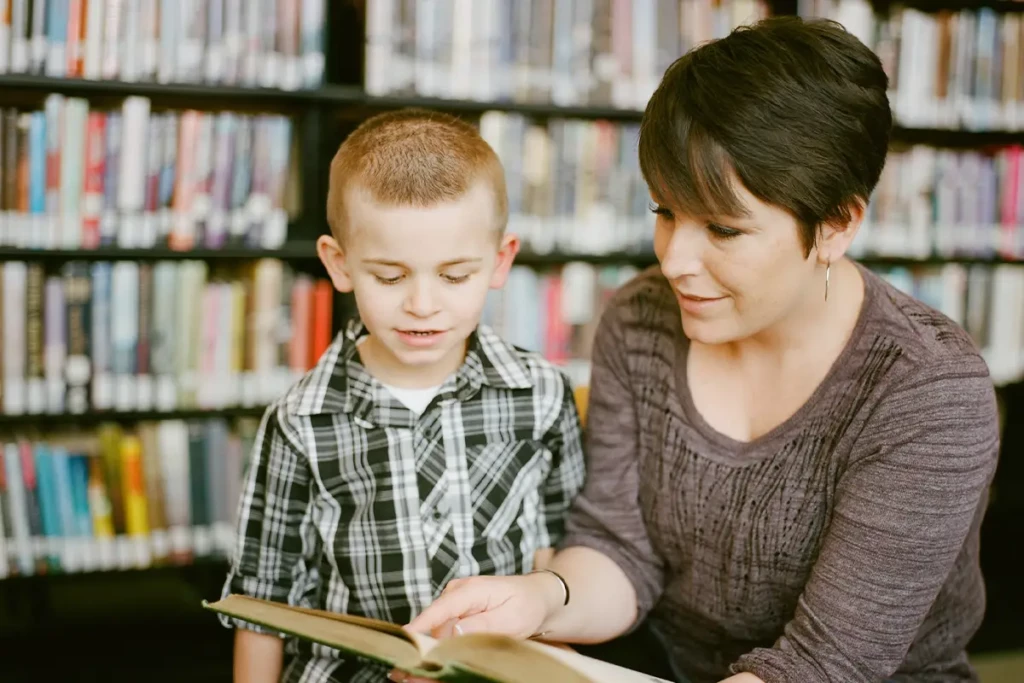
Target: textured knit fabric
352 503
841 546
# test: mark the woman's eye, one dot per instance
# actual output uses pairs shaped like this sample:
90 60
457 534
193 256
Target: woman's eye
660 211
388 280
455 279
722 231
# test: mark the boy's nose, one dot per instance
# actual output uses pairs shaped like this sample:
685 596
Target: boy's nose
421 301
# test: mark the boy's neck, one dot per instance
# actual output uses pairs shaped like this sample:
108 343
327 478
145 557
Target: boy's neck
386 368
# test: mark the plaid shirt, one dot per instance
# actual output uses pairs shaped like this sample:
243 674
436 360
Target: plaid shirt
352 503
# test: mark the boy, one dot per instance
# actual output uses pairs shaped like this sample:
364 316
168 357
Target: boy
421 448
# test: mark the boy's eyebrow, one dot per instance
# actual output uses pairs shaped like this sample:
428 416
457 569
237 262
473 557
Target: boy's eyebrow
452 262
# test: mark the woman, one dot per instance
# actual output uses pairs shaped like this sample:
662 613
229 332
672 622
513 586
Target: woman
788 458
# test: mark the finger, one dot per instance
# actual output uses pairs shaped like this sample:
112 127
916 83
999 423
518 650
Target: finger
399 676
502 620
455 584
445 630
449 606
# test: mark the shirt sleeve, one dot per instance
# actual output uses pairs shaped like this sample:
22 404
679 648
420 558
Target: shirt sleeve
902 514
606 517
276 544
565 479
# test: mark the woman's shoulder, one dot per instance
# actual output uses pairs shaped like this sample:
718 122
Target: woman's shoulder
644 300
924 337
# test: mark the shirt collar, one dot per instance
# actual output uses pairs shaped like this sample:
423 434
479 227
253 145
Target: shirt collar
340 384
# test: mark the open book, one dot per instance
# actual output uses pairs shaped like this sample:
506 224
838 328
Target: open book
461 659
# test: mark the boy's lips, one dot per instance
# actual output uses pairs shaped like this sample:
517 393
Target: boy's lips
414 337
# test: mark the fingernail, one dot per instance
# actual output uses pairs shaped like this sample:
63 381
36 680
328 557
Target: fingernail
458 629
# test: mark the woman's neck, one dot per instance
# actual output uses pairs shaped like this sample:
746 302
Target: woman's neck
814 327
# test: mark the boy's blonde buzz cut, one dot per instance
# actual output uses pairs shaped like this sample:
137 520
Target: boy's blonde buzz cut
413 157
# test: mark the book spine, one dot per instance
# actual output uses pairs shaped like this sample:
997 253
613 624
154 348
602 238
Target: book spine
56 344
78 368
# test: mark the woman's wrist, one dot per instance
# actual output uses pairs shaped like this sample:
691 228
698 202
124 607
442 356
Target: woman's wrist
554 591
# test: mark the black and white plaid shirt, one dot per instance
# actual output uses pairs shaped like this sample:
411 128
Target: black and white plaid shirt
353 503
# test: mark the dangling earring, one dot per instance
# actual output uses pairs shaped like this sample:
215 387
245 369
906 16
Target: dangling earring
828 269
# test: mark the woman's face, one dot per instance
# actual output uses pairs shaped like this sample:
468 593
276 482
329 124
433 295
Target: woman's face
735 277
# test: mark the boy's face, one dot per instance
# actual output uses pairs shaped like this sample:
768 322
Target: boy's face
420 276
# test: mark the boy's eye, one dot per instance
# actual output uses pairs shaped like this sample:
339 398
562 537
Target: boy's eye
722 231
455 279
388 280
660 210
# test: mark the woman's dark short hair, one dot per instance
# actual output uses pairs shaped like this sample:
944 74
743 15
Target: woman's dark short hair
797 109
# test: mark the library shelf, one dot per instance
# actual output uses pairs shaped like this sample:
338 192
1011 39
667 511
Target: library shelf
294 251
94 417
910 262
213 562
204 95
934 6
556 258
306 251
536 109
648 259
193 93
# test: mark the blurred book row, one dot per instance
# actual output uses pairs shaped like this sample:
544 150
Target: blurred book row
987 301
573 186
165 491
555 311
584 52
160 493
947 203
128 336
75 177
256 43
948 68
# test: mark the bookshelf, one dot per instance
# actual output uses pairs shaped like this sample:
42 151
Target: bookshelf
322 114
291 251
93 418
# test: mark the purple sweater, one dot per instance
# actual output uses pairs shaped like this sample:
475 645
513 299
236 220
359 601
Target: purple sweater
842 546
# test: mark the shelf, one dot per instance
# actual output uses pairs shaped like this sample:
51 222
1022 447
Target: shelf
538 109
909 262
192 94
932 6
296 251
202 95
956 137
559 258
215 563
48 419
306 251
648 259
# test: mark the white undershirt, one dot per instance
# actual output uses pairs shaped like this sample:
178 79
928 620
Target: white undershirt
415 400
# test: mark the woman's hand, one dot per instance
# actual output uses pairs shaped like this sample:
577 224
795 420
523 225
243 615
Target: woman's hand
516 606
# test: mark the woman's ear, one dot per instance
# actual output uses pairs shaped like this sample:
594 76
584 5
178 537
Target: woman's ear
333 257
834 239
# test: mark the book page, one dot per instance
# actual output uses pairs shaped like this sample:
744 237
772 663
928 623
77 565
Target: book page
377 640
514 661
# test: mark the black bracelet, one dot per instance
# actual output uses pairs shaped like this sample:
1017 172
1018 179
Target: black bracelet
561 579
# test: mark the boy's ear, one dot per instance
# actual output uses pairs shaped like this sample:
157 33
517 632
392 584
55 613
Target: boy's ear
333 257
507 251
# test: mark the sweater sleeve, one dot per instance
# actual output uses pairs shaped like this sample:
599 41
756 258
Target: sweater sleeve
606 516
902 513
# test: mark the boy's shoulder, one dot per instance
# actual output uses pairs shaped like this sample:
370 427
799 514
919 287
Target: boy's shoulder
514 367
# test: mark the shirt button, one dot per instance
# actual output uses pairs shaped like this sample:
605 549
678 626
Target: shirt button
437 515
